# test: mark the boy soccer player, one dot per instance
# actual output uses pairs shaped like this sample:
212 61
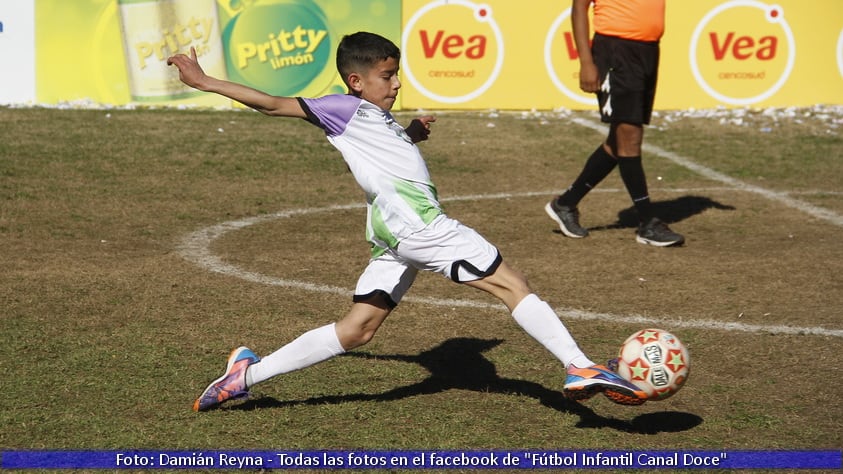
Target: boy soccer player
405 225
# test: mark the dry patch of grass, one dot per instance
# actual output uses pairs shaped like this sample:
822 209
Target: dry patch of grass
108 333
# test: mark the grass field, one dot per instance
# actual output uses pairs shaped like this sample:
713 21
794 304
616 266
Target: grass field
140 246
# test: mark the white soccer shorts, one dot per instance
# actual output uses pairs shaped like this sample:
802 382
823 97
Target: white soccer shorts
445 246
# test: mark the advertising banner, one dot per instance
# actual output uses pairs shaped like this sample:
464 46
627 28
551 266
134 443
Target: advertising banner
115 51
456 54
510 55
752 53
17 51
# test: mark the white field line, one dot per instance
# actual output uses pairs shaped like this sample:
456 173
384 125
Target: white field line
783 198
196 247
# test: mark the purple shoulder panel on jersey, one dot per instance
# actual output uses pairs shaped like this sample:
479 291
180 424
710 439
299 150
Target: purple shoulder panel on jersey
332 113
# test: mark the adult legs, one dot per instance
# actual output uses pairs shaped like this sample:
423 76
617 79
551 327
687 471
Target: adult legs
624 143
622 148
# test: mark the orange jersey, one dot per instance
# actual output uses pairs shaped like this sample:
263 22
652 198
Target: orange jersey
641 20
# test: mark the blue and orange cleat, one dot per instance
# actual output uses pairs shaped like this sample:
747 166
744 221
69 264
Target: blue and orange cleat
232 384
584 383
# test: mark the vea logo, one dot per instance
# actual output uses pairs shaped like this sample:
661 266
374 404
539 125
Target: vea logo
452 46
561 60
453 50
281 47
742 51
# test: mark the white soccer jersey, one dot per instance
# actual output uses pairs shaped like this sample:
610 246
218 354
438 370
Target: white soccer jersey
400 197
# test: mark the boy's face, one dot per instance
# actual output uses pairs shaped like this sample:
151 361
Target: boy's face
378 85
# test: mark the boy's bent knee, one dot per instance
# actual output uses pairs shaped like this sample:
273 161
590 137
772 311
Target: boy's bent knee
352 335
354 340
507 284
515 281
359 326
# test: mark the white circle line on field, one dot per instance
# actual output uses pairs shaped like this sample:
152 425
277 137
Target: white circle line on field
196 247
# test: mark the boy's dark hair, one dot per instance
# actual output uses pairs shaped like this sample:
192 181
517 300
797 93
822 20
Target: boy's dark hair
362 50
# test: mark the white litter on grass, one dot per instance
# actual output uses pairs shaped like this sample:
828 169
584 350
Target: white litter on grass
88 104
831 116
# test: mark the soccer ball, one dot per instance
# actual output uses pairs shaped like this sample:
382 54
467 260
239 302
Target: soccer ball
654 360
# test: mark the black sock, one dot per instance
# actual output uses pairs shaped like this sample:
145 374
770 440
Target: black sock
632 173
596 168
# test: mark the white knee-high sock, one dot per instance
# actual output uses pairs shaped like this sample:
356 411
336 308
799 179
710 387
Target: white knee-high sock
539 320
310 348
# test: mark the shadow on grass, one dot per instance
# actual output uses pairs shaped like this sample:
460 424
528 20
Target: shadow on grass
671 212
459 363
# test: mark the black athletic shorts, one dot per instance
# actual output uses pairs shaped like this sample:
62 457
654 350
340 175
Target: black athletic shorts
628 74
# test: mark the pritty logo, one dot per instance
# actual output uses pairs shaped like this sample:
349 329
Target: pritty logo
562 61
286 48
742 51
453 50
154 31
177 38
280 46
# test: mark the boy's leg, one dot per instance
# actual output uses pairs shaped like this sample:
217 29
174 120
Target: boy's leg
379 289
312 347
535 316
541 322
245 369
355 329
478 264
584 379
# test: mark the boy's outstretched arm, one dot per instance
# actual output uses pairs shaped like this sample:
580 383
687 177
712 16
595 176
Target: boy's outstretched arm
191 73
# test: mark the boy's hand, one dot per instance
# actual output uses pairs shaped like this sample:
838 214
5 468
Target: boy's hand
190 72
419 128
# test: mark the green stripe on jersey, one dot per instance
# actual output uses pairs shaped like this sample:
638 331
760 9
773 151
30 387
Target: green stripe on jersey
380 229
418 200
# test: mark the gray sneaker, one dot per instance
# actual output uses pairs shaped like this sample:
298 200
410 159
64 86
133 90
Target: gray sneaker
568 219
656 232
